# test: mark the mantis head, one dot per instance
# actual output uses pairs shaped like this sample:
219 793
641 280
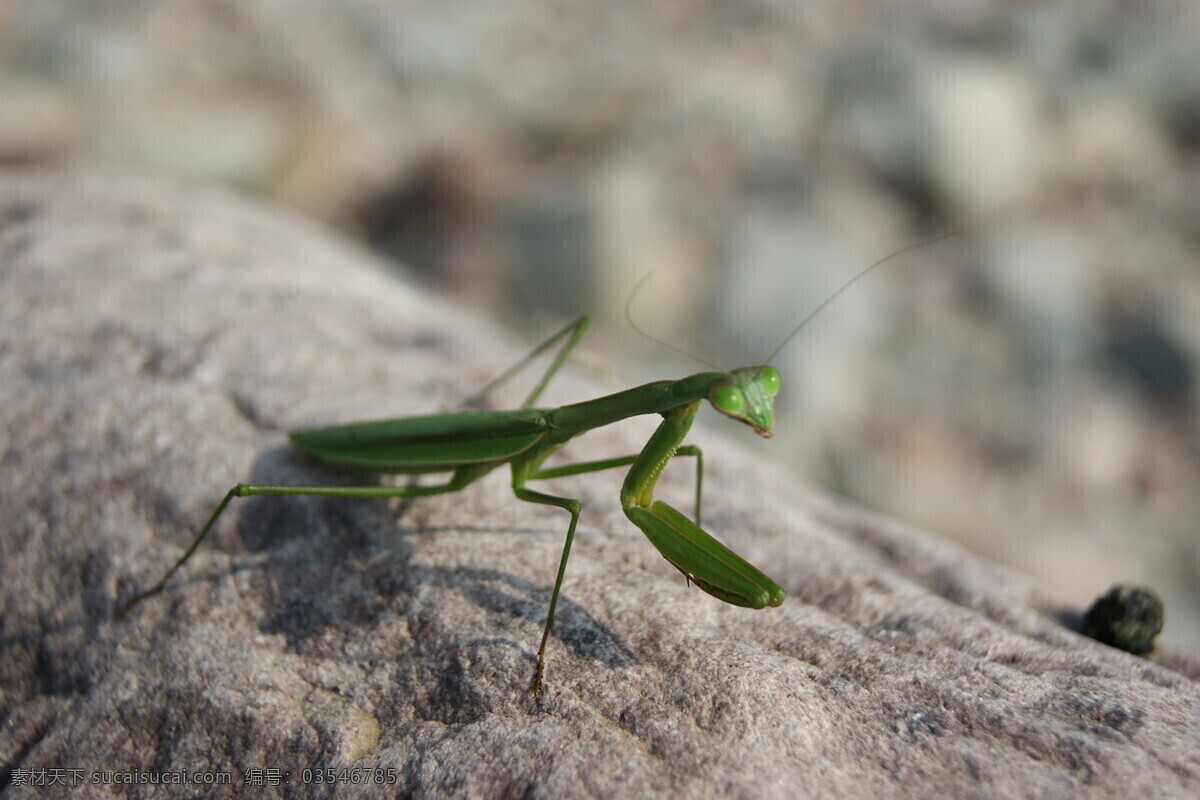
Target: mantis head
748 395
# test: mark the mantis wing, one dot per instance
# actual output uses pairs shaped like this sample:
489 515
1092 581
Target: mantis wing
426 444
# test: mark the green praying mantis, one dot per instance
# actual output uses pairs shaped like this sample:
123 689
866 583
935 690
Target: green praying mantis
470 444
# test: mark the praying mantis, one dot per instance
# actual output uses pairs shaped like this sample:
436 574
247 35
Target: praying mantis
470 444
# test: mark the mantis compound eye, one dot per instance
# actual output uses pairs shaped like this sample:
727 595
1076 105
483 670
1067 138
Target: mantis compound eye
728 400
770 380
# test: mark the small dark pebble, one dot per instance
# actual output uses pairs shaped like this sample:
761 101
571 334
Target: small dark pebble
1128 617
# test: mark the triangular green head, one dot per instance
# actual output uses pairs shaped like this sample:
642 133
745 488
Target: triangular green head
748 395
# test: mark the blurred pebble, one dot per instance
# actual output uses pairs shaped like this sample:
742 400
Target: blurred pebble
1128 618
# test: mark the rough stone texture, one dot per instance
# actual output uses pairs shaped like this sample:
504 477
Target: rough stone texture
158 342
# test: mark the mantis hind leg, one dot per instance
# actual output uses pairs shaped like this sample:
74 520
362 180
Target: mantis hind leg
572 332
461 477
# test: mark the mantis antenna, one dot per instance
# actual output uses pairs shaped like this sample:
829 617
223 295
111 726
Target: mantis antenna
655 339
641 284
850 283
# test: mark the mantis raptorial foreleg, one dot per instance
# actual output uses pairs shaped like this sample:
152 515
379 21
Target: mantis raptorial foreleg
702 559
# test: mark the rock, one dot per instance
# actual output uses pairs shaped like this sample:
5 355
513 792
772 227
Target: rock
1128 617
157 344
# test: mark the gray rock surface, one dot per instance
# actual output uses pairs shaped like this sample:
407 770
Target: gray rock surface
157 343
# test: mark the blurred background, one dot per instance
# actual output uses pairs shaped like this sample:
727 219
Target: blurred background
1026 388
